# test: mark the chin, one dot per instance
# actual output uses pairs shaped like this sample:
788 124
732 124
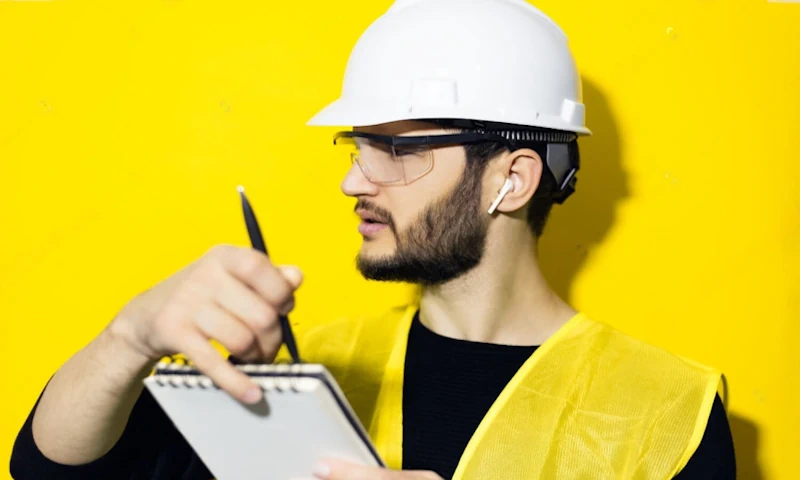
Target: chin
373 249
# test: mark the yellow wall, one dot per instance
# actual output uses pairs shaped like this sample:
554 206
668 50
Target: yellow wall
125 127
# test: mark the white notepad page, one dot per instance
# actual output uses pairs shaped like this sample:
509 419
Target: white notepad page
303 420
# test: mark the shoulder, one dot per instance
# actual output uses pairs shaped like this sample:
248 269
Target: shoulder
672 396
628 371
629 354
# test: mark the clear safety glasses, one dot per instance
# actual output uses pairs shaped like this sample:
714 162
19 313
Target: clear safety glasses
383 161
399 160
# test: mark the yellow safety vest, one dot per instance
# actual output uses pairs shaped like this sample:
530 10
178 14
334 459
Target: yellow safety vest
590 403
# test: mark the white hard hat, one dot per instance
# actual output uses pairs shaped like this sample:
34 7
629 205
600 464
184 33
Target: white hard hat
488 60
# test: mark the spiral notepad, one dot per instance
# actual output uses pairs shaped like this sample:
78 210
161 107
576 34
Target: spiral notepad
303 419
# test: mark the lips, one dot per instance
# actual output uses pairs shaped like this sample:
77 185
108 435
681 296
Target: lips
371 223
369 217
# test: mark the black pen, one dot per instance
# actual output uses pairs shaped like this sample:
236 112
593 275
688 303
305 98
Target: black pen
257 241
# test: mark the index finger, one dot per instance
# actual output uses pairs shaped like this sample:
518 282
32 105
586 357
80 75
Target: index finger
220 371
257 271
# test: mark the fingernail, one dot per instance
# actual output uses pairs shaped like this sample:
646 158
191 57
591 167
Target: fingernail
322 470
253 395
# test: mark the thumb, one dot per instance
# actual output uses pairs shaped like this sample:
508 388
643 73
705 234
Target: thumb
292 274
333 469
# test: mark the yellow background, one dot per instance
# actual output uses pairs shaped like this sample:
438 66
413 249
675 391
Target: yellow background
126 126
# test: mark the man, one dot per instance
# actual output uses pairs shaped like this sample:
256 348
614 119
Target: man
466 116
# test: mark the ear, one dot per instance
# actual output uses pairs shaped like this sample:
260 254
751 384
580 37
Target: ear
524 167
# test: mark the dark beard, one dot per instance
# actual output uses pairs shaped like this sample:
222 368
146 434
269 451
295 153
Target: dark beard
446 241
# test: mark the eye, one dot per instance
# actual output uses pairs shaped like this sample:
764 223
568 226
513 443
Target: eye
410 150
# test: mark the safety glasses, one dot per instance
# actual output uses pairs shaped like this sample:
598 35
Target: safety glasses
399 160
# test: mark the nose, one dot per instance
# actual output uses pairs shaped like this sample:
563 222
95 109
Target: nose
356 184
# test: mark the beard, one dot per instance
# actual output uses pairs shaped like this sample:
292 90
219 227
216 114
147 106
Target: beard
445 241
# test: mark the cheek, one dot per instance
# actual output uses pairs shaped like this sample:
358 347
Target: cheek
409 201
406 210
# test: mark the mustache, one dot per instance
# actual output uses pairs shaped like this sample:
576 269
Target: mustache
383 215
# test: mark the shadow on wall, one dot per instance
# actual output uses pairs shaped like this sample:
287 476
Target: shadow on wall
584 220
745 443
582 223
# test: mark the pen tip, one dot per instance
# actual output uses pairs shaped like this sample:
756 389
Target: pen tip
240 189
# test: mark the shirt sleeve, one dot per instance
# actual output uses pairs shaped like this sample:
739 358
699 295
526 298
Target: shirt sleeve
714 458
150 448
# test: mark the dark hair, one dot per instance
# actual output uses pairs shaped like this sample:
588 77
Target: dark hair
478 156
537 139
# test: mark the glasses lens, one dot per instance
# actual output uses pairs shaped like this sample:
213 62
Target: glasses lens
385 164
416 160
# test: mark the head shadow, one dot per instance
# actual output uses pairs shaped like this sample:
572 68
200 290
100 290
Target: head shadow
745 444
584 220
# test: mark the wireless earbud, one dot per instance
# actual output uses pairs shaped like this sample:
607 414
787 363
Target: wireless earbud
507 187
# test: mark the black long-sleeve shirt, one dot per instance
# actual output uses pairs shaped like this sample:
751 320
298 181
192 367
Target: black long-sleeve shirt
442 407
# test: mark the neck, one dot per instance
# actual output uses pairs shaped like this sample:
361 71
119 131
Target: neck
504 300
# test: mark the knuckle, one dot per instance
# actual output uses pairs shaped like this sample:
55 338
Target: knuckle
263 317
279 293
220 251
253 265
189 297
241 343
203 274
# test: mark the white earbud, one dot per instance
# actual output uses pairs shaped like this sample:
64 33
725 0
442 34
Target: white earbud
507 187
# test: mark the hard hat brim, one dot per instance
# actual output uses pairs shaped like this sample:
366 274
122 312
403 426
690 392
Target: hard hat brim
345 113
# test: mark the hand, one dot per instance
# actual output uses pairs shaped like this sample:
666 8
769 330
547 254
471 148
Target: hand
340 470
232 295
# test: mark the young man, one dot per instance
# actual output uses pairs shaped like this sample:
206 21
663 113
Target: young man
466 116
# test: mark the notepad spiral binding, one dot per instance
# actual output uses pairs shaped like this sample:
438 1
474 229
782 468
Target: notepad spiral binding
184 360
271 377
